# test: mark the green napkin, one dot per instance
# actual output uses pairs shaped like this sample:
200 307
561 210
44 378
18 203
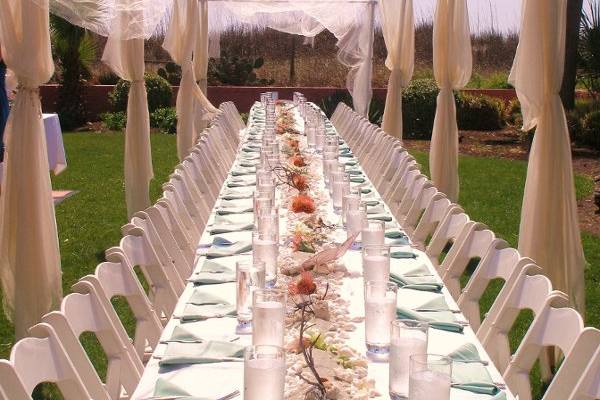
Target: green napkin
225 228
240 184
379 217
394 234
357 180
365 191
200 297
207 277
354 172
350 163
164 388
234 210
377 209
182 333
192 312
251 149
425 283
402 254
236 248
245 203
346 155
231 195
371 203
248 164
247 218
178 353
243 171
468 374
431 317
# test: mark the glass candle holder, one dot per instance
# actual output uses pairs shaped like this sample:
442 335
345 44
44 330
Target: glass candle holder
268 314
341 185
264 372
373 233
356 220
250 276
430 377
409 337
376 263
319 139
267 221
350 201
380 311
265 247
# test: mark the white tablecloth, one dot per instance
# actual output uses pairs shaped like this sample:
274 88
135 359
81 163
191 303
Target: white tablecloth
218 379
57 159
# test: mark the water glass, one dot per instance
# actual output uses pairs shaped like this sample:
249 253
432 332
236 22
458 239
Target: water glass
341 185
430 377
319 140
265 247
264 372
380 311
267 220
249 277
376 263
409 337
261 200
373 233
356 220
350 201
268 315
266 190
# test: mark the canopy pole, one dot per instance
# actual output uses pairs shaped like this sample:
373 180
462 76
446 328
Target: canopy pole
371 11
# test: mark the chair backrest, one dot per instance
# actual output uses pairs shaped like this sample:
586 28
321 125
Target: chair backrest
556 325
578 377
42 358
472 243
115 277
420 184
417 209
394 196
434 213
530 291
177 210
500 262
391 166
163 219
447 232
83 312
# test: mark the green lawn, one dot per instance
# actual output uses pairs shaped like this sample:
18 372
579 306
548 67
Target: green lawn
90 221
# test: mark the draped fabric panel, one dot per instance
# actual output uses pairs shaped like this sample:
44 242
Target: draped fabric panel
398 24
549 231
180 42
126 59
29 253
452 65
201 57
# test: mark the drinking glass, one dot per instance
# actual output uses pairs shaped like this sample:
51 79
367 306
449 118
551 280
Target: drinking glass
249 277
430 377
266 190
380 311
261 200
268 314
409 337
356 219
373 233
341 184
328 165
264 372
265 247
350 201
319 139
264 177
376 263
267 220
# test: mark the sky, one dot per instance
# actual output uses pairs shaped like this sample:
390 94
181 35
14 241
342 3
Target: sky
504 15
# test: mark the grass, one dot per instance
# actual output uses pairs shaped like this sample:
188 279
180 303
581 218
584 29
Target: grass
90 221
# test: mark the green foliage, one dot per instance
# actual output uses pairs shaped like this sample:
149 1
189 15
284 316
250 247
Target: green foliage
171 72
583 123
237 71
159 91
418 105
591 129
114 121
479 113
164 119
328 105
108 78
589 48
495 80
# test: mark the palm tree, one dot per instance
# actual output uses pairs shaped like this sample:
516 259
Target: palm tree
567 92
74 51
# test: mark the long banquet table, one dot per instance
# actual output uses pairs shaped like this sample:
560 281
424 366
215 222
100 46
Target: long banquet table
213 380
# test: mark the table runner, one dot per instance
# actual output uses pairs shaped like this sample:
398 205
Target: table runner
366 378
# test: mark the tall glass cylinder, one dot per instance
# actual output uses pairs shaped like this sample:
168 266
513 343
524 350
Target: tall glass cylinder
268 316
267 221
319 140
356 220
373 233
380 311
250 276
340 185
430 377
350 201
409 337
376 263
264 373
265 247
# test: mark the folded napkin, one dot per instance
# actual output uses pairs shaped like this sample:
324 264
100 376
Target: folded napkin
251 149
212 273
226 228
240 184
394 234
166 389
402 254
234 210
354 172
232 195
470 375
376 209
365 190
178 353
350 163
379 217
225 203
243 171
441 320
357 180
371 203
225 251
346 155
426 283
246 218
192 312
249 164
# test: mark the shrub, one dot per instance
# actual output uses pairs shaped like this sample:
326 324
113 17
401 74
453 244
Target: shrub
164 119
159 92
108 78
114 121
590 132
171 72
238 71
329 103
418 105
479 113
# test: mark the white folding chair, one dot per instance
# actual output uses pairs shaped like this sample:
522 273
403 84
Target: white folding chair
434 213
82 312
42 358
420 184
446 233
177 211
417 209
556 325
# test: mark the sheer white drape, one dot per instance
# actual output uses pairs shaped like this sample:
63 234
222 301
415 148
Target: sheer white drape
398 25
180 42
201 57
452 64
126 59
29 252
549 231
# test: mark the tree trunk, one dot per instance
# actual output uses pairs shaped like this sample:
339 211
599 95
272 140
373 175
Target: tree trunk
567 92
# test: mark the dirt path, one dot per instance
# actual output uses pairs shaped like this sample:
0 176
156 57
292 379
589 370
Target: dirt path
506 144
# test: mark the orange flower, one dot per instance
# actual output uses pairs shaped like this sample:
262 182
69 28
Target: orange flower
305 285
296 241
294 144
299 182
303 203
298 161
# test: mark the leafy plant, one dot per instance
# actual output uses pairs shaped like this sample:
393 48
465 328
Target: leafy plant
108 78
159 92
164 119
591 129
480 113
74 51
418 108
589 48
115 121
238 71
328 105
171 72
